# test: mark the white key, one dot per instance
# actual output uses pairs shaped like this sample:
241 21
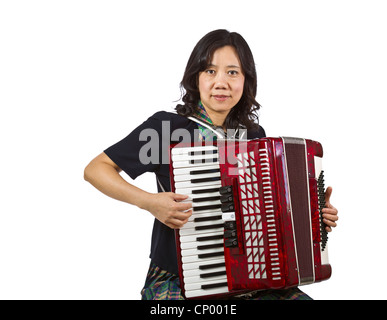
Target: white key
197 252
192 224
189 177
190 231
189 191
198 285
204 214
201 196
195 244
205 203
215 211
187 184
193 258
192 282
191 238
204 262
201 292
198 272
185 171
186 150
188 164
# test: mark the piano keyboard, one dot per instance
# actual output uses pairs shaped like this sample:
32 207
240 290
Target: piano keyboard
196 174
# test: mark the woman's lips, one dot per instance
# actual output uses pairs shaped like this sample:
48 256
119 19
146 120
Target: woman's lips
220 97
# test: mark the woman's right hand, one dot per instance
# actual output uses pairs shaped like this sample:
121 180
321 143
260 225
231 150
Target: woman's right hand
103 174
167 208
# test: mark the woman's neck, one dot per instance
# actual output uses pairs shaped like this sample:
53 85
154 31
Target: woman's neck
217 118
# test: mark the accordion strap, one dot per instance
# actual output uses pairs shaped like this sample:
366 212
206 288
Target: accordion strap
219 131
160 185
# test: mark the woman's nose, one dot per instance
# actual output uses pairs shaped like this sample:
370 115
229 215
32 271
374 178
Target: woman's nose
220 81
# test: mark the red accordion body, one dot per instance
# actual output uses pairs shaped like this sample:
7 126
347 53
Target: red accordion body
256 220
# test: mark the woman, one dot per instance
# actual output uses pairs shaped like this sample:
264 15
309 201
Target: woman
220 86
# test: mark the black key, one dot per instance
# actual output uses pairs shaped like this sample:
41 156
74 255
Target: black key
213 274
206 199
207 238
214 285
209 207
207 218
210 160
210 255
211 226
211 190
205 180
210 246
204 171
203 152
212 266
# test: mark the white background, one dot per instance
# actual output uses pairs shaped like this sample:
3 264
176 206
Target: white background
77 76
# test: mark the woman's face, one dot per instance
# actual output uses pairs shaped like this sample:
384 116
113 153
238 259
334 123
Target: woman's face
221 84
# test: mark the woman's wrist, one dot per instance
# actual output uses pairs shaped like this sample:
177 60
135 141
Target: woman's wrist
143 200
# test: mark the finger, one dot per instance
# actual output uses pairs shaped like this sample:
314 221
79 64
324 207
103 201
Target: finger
173 225
328 194
179 197
332 211
177 223
331 217
183 206
330 223
328 229
182 215
330 207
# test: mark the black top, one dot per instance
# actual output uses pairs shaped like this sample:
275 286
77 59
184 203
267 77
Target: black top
146 149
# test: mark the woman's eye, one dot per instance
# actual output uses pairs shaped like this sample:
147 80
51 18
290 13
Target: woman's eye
233 72
209 71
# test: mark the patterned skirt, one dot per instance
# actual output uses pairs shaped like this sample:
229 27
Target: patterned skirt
162 285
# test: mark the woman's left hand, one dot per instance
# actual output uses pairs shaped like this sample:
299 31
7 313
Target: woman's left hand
329 212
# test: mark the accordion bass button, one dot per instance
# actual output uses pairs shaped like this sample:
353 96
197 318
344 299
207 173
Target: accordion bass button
226 198
230 225
228 234
231 243
227 207
225 190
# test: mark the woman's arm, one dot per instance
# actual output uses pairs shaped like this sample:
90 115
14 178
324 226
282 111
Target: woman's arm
104 175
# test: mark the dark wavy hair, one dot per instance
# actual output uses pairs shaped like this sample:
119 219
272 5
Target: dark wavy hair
245 111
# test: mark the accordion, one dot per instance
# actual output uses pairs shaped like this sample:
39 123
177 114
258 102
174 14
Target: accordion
256 222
